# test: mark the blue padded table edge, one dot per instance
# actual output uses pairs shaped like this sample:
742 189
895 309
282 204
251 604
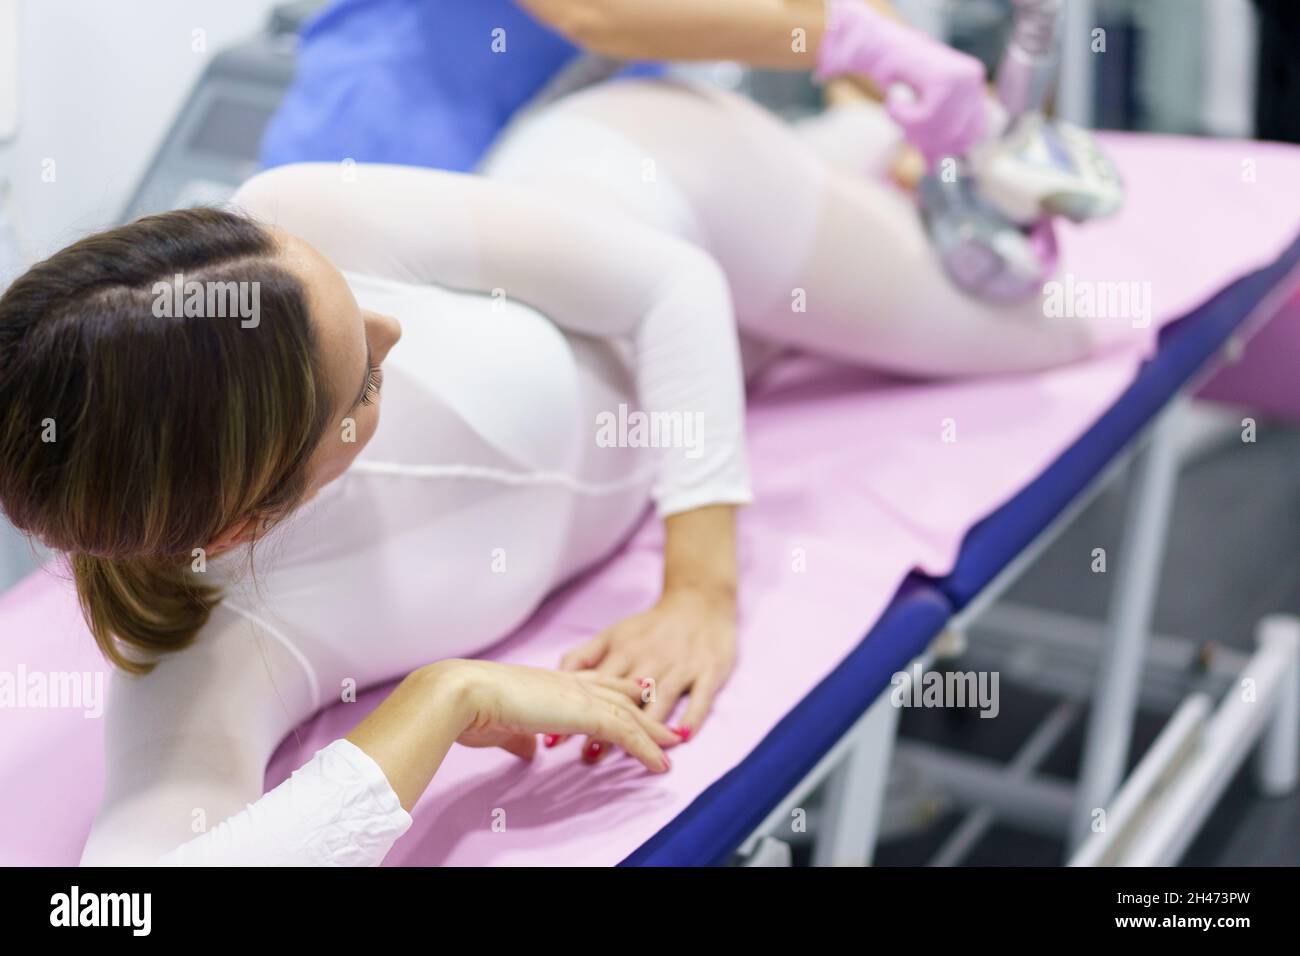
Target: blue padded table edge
1185 345
720 818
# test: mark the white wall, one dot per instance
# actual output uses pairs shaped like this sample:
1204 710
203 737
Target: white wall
1231 46
99 82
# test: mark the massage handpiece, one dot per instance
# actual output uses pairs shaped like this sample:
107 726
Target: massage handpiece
1029 63
988 213
1032 166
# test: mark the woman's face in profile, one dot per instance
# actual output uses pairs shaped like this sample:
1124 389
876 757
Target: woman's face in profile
353 344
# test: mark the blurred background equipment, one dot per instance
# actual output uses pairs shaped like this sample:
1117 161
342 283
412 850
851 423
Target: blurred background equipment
212 145
1277 115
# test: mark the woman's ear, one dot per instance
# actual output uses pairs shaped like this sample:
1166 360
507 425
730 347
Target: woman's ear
241 532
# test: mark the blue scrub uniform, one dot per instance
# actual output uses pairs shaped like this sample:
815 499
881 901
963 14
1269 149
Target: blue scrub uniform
418 82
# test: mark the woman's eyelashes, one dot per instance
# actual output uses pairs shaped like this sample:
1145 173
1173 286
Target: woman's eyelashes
373 384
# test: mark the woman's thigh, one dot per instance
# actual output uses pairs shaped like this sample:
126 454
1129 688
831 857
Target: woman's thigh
705 166
819 255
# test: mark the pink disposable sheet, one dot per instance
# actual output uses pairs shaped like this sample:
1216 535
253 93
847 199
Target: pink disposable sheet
856 486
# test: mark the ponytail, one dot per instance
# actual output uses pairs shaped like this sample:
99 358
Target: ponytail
141 604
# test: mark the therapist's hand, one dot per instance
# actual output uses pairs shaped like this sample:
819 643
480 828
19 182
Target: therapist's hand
487 704
942 110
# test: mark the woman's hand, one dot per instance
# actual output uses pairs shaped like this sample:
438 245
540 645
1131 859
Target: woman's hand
685 644
507 706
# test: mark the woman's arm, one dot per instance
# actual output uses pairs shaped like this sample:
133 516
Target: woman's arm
485 704
700 552
352 800
686 643
187 748
588 270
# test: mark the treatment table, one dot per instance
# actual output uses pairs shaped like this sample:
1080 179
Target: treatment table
896 508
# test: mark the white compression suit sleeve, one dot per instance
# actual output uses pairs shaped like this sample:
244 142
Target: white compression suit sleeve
588 270
186 751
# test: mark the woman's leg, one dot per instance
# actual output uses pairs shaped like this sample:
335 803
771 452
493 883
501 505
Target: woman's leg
820 256
856 139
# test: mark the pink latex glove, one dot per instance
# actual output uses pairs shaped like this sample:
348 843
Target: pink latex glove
945 116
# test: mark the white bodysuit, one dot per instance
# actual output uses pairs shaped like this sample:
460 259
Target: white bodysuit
489 457
650 213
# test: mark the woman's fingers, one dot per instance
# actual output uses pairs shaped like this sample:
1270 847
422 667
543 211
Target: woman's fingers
703 692
587 655
523 746
628 687
617 663
658 731
622 730
527 700
624 689
584 657
661 697
614 680
647 691
667 693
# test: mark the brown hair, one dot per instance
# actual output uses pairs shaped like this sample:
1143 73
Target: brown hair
128 440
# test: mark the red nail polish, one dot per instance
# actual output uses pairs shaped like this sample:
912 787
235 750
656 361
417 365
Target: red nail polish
591 752
551 740
683 732
644 682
